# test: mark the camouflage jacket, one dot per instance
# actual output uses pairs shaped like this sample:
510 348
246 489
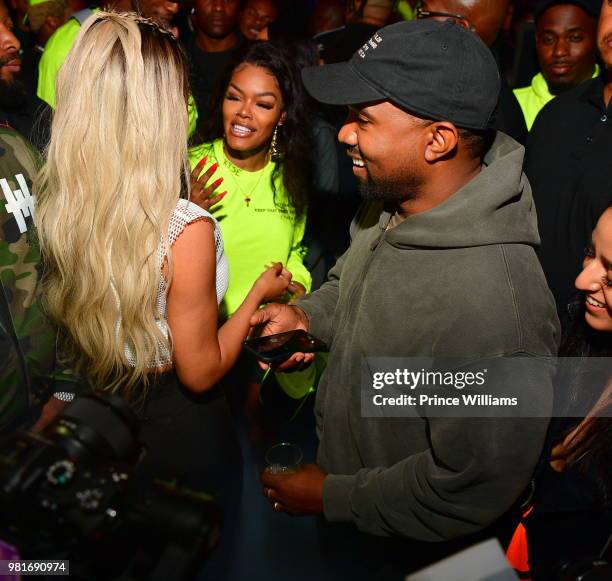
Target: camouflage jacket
28 371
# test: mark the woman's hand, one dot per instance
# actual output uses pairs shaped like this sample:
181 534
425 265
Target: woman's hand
273 282
201 194
297 290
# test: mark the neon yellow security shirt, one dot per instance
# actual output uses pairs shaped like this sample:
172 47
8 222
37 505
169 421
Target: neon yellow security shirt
533 98
258 228
53 57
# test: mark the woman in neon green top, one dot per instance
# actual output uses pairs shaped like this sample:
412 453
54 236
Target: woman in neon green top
257 140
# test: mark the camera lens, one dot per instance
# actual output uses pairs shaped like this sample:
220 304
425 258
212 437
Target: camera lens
103 425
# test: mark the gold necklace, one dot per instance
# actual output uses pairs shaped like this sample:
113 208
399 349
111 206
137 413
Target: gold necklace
236 172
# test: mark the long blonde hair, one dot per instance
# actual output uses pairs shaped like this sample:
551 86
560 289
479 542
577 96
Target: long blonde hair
116 167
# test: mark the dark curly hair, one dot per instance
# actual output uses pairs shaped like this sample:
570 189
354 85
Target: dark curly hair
295 137
586 384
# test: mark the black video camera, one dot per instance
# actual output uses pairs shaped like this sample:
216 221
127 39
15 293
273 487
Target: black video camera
72 492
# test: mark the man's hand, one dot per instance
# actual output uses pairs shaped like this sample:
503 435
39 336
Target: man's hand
300 493
279 319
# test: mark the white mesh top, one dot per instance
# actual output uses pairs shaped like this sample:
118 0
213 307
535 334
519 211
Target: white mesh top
184 214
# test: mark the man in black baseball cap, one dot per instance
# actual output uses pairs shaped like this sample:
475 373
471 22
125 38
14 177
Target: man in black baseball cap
441 264
434 70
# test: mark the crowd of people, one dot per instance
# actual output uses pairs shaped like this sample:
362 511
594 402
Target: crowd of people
409 181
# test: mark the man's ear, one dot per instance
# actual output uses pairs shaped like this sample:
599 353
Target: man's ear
442 140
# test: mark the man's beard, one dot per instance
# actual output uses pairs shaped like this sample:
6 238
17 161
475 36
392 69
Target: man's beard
13 95
392 190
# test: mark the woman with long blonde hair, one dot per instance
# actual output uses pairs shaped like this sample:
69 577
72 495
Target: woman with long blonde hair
135 271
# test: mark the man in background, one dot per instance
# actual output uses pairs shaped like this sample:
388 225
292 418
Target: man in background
30 376
60 43
566 32
215 40
163 12
255 17
44 18
18 107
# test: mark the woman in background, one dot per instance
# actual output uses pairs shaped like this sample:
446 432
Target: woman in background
569 523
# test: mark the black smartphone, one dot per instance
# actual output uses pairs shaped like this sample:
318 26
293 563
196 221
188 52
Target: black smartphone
277 348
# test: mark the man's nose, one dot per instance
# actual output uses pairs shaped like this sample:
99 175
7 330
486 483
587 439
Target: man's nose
560 48
348 132
8 41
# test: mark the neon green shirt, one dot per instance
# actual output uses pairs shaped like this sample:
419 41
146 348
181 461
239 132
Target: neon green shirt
54 55
258 228
533 98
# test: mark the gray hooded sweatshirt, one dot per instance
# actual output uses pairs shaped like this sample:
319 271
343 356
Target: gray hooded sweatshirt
461 280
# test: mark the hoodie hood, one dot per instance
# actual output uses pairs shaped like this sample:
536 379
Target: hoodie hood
496 207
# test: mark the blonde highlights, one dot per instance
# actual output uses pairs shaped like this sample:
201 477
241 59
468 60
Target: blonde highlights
116 167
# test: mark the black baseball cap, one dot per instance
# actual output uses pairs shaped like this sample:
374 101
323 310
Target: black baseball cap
591 7
437 70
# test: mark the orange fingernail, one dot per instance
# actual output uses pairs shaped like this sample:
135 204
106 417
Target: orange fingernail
214 166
